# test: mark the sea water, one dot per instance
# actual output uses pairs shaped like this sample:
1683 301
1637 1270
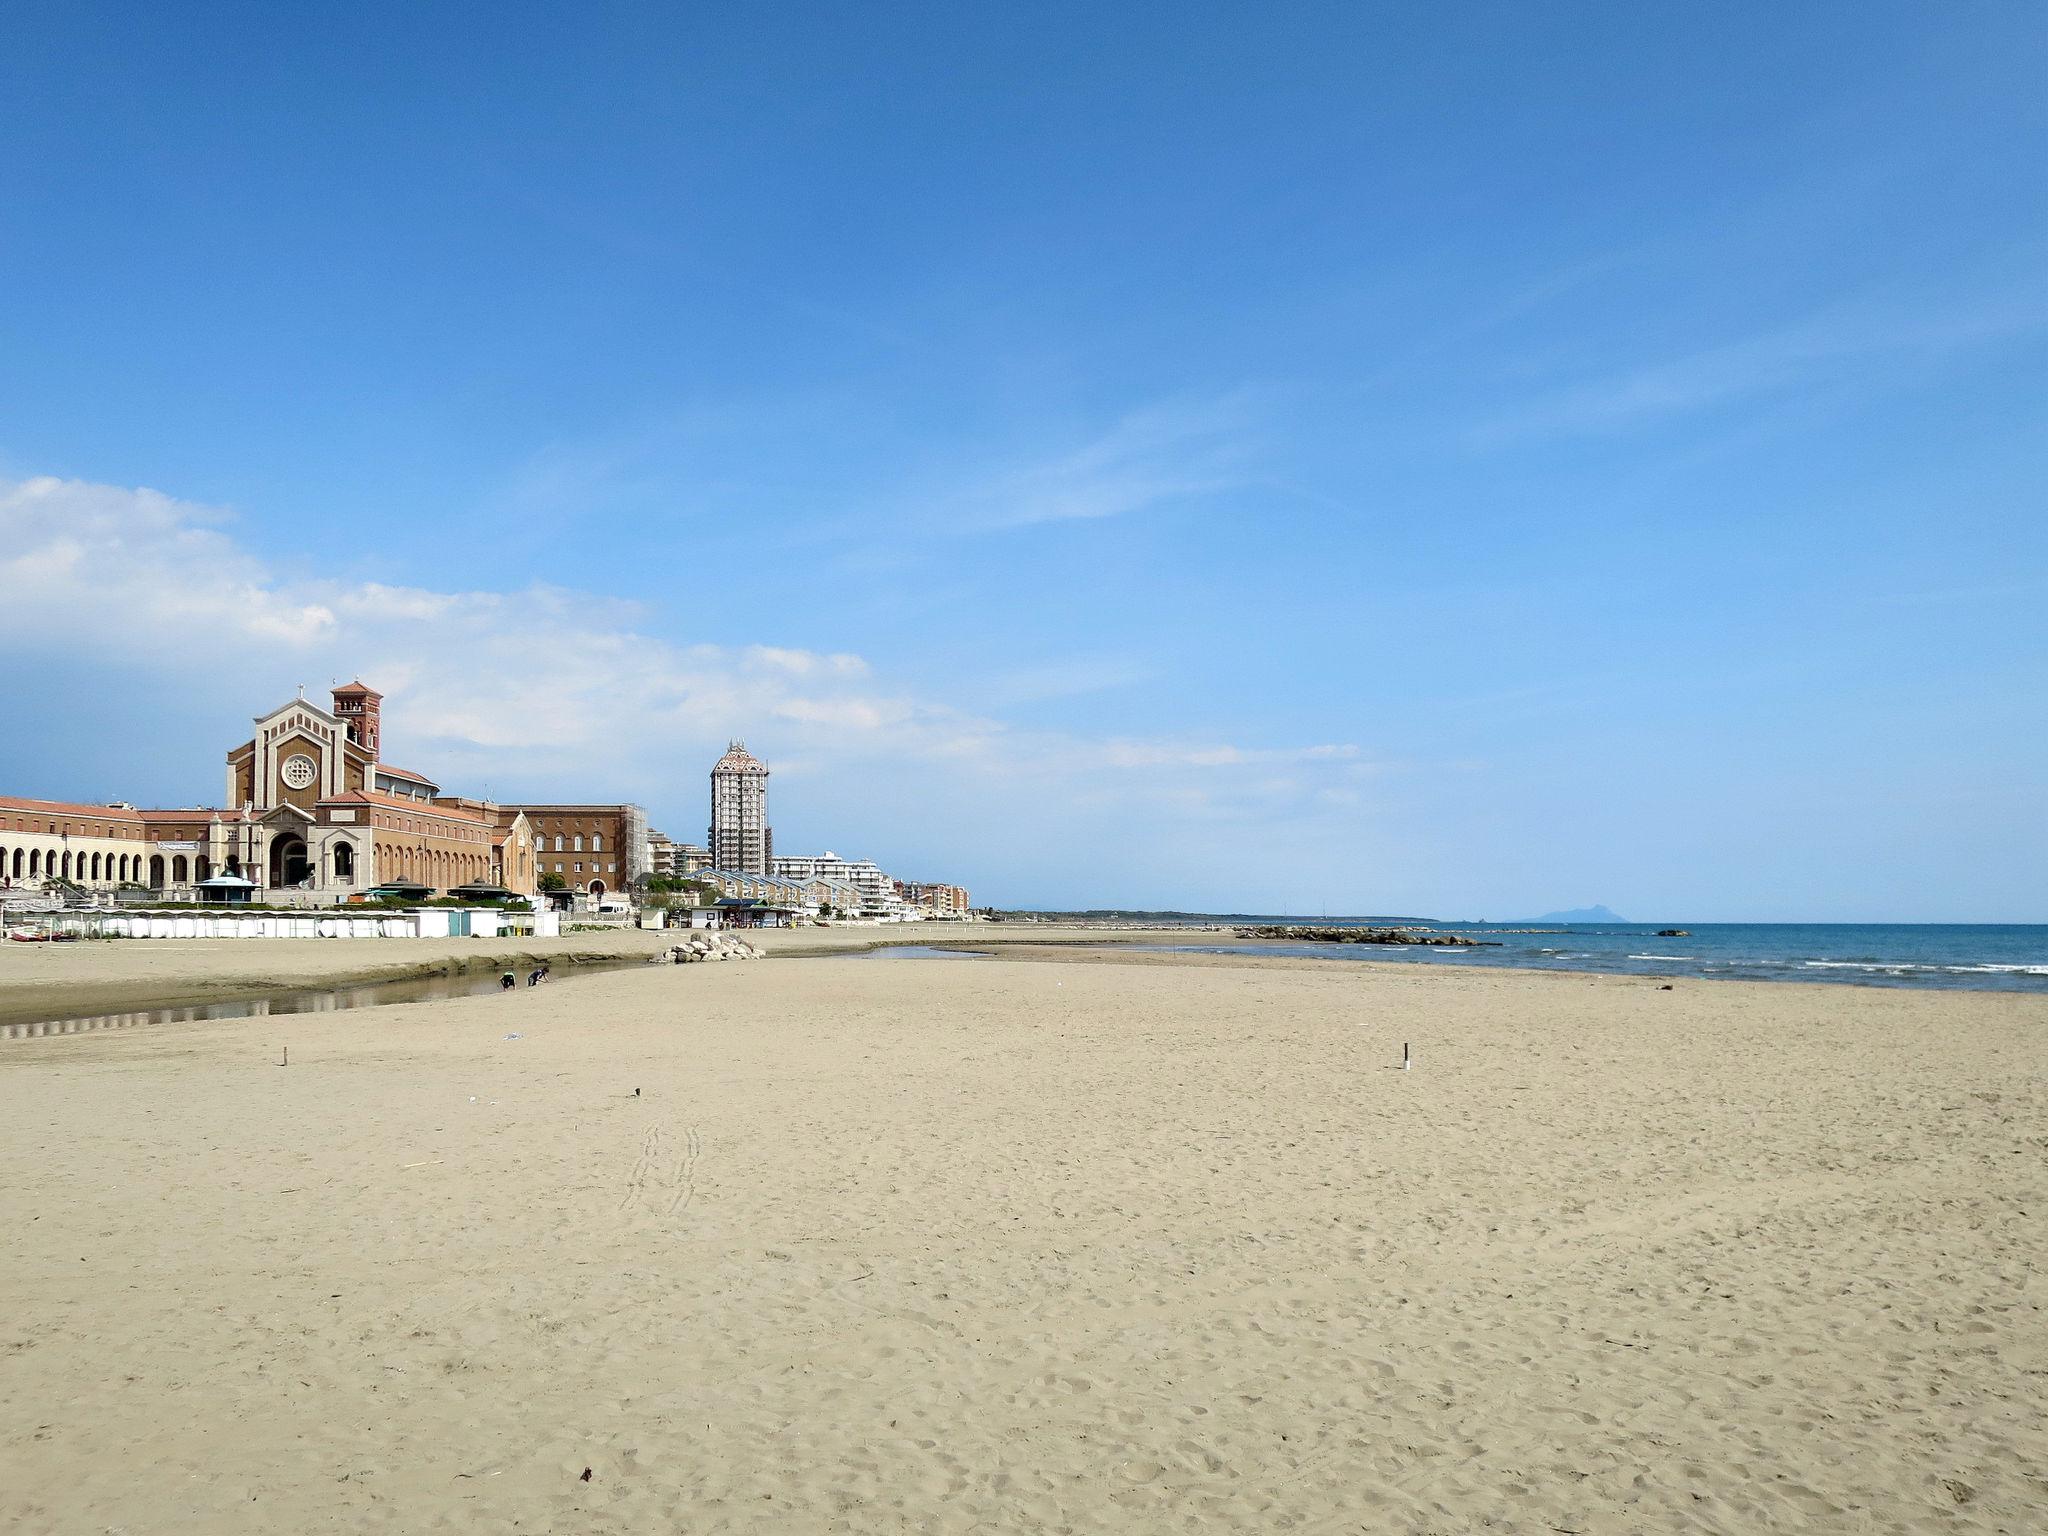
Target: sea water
2002 957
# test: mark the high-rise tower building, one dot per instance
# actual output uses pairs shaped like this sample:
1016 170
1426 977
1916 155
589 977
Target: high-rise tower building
740 837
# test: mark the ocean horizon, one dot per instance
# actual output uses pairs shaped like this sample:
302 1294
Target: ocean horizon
1995 957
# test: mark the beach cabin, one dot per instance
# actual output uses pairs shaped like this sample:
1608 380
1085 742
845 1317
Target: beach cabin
750 912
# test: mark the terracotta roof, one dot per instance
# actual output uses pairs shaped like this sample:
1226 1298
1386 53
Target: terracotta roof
571 810
406 803
407 773
61 807
357 687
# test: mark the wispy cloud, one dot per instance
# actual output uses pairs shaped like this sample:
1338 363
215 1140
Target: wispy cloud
1162 454
546 687
1152 754
1069 678
1851 342
732 455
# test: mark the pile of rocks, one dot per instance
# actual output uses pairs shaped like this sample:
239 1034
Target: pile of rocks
708 946
1303 935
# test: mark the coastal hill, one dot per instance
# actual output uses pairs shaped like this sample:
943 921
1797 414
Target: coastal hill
1581 915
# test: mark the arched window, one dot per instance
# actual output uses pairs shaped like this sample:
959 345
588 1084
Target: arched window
597 842
202 868
95 867
65 872
344 862
35 862
576 842
179 870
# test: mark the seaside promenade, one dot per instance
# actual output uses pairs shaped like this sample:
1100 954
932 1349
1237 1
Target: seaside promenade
1086 1243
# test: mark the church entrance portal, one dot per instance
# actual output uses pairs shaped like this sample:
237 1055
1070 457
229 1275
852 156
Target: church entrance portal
288 864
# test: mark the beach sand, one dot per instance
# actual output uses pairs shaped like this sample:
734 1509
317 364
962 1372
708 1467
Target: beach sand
1048 1245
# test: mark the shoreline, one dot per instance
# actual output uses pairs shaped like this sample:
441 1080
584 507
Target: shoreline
45 982
51 983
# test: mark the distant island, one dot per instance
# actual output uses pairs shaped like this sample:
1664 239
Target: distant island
1581 915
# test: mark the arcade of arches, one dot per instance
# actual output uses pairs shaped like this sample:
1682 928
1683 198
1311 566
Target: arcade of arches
314 814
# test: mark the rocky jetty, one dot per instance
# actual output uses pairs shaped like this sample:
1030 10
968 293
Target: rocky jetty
1359 936
708 946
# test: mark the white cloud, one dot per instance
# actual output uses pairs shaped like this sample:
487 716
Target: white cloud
76 552
488 690
807 663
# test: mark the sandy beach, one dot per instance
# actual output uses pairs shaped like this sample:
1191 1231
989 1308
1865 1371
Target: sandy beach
1046 1244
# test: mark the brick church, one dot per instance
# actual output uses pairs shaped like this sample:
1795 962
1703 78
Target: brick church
313 814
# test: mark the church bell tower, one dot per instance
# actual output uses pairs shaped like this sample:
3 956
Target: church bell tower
356 707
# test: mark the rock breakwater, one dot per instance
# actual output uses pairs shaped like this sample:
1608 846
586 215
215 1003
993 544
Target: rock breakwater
1299 935
707 946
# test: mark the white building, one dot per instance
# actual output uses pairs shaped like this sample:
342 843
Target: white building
877 890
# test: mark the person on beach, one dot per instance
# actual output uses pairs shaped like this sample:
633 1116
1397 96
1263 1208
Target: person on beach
533 980
507 982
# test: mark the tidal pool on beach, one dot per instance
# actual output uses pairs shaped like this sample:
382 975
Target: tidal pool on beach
264 1005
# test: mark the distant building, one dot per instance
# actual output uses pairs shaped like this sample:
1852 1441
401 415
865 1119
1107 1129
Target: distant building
807 898
599 849
878 891
737 885
676 861
740 836
311 815
835 897
934 899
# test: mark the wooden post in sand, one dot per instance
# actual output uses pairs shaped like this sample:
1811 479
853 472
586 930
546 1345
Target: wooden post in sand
1404 1055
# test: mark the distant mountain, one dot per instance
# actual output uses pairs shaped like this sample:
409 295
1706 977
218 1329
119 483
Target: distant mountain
1581 915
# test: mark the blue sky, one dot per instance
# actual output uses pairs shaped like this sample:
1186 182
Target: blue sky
1461 460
